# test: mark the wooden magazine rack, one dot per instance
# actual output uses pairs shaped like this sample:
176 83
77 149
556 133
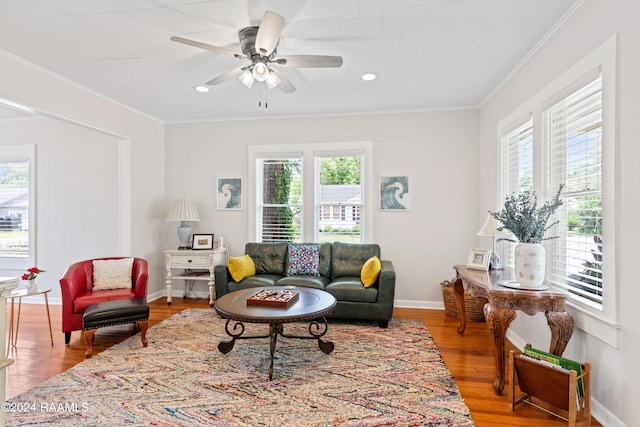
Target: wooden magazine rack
551 384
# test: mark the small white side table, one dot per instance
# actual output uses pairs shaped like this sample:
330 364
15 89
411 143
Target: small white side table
194 265
21 293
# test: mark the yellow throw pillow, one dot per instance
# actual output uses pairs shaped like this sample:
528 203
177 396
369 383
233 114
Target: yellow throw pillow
241 267
370 271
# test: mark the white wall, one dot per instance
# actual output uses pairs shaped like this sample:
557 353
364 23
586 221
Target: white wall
437 150
615 384
140 168
77 198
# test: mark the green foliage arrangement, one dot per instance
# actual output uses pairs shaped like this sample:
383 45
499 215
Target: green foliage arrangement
522 216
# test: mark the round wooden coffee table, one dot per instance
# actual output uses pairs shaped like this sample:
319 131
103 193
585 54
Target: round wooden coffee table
311 305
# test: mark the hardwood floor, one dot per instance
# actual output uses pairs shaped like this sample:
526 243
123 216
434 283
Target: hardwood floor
469 358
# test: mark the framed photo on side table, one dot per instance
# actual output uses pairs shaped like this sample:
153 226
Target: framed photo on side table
479 259
202 241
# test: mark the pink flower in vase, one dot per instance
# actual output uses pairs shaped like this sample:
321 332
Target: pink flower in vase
32 273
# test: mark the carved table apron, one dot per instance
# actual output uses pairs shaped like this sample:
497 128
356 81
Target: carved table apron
501 306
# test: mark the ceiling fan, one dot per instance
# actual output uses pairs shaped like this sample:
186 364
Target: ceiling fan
258 45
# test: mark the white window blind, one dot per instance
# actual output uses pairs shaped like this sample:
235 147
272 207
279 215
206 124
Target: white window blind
338 198
279 199
573 137
14 208
517 172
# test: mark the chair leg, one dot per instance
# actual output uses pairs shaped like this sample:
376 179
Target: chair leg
67 337
144 325
88 335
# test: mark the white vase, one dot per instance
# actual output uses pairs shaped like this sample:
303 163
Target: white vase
32 286
530 264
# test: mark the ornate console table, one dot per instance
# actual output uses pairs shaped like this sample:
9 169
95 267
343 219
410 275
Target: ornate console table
500 310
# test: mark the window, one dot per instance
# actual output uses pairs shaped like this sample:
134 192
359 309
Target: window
279 201
517 155
310 192
16 206
573 138
573 143
338 198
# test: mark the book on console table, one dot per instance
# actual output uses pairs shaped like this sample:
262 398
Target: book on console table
273 298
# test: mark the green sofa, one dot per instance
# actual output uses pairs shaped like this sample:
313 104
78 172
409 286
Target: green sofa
339 270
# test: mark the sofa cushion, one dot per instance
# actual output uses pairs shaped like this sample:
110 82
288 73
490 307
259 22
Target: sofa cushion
303 259
253 282
241 267
269 258
316 282
370 271
112 273
350 289
347 259
324 263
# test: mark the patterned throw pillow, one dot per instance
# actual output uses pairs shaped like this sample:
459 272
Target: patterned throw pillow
303 260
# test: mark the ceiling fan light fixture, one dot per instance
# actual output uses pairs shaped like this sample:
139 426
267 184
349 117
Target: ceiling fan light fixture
272 80
201 88
247 78
260 72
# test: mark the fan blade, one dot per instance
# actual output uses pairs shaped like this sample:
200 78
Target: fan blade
309 61
226 76
208 47
269 33
285 84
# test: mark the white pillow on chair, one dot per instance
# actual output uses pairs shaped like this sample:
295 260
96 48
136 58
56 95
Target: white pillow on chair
112 273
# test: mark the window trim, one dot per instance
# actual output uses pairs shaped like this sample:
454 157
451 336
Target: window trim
20 153
601 324
308 152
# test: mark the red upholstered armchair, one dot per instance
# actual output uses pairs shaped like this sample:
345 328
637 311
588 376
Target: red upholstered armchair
78 293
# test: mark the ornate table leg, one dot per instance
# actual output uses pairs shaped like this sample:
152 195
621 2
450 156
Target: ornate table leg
274 330
314 329
226 346
458 289
561 325
498 320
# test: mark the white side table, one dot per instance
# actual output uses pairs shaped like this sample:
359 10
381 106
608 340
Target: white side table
21 293
193 265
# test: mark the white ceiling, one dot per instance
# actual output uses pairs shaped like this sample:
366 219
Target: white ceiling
428 54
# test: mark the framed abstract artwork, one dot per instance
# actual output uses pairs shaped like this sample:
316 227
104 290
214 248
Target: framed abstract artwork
394 193
229 194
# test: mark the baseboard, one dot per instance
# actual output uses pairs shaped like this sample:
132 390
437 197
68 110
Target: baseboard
425 305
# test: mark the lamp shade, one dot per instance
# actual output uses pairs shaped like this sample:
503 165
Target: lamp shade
183 210
490 227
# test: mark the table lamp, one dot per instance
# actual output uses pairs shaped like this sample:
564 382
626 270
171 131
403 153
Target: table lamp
490 228
184 211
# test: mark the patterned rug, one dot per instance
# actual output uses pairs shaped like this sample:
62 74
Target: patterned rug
374 377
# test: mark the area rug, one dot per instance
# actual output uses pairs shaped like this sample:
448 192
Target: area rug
374 377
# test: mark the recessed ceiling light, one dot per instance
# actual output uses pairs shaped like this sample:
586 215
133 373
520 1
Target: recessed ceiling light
201 88
367 77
